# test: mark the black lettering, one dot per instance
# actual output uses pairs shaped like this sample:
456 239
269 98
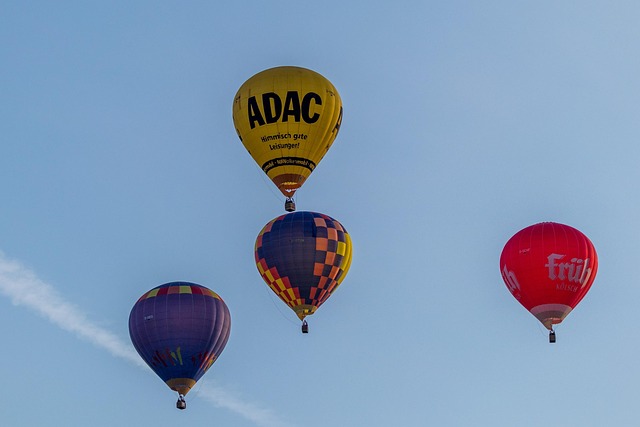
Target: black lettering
306 107
272 109
271 115
291 107
254 113
284 161
339 122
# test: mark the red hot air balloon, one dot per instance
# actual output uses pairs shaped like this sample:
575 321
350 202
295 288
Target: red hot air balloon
549 268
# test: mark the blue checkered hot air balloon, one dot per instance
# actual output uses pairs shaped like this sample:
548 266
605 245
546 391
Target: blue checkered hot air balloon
303 257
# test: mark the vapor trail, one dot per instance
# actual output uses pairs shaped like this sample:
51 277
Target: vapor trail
261 416
25 289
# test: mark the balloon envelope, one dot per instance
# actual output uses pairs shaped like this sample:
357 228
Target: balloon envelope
287 118
303 257
179 329
549 267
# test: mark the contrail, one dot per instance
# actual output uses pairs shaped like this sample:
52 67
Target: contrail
25 289
220 398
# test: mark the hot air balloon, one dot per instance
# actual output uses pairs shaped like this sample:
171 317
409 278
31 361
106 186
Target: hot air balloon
287 118
179 329
303 257
549 268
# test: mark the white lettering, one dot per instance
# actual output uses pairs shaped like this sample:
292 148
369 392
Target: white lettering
552 265
510 279
577 271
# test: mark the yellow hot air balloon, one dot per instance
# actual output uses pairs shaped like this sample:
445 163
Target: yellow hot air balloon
287 118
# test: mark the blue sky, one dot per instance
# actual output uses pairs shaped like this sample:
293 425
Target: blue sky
463 122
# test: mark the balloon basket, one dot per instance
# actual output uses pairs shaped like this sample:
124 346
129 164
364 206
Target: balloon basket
552 336
289 205
181 403
305 327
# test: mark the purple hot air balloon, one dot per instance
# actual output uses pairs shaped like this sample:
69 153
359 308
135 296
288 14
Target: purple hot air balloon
179 329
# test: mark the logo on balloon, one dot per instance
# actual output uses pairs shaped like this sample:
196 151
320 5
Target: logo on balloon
273 110
511 281
576 271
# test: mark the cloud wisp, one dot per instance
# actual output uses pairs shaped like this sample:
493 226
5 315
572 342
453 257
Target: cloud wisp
222 399
24 288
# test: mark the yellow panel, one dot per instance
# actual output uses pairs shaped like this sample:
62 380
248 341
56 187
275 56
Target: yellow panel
284 295
273 287
346 260
281 284
181 385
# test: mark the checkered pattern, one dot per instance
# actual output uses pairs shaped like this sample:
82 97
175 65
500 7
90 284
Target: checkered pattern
179 288
282 287
303 257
